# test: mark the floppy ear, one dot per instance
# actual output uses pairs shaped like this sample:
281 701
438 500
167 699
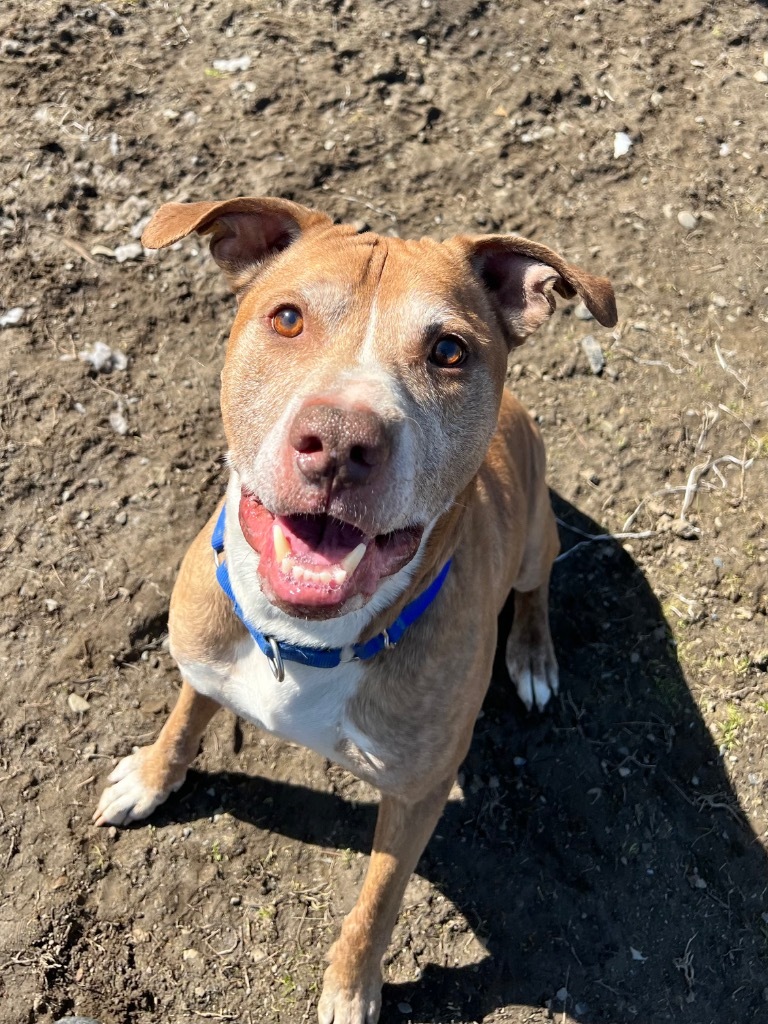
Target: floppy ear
244 231
522 275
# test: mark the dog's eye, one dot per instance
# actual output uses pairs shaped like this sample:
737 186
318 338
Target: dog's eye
288 322
449 351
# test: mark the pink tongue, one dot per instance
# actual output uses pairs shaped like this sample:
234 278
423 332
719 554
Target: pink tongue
319 541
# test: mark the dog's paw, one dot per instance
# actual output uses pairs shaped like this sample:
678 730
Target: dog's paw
344 1001
533 670
139 785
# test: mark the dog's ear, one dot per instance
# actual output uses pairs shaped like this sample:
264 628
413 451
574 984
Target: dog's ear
522 275
243 231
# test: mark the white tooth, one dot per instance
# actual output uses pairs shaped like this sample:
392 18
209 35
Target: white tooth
338 575
324 576
282 547
285 565
351 561
297 571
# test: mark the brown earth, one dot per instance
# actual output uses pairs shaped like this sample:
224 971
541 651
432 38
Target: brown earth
606 863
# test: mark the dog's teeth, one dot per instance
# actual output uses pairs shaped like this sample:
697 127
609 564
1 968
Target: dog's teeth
351 561
325 576
282 547
297 571
285 565
338 575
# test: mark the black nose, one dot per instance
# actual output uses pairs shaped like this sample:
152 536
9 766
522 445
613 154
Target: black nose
343 446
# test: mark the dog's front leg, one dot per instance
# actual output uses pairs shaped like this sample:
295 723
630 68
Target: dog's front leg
147 777
352 984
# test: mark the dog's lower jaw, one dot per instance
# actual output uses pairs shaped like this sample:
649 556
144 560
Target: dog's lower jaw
338 630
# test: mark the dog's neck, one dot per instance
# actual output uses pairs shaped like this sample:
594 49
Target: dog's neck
437 544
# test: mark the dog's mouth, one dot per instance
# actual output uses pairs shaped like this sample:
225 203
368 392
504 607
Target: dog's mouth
313 565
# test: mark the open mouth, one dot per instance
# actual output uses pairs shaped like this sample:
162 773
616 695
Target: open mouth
313 564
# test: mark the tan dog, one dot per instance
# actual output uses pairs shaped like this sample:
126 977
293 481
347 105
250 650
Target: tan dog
371 441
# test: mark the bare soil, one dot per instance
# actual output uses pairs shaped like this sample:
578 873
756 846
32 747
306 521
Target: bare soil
605 863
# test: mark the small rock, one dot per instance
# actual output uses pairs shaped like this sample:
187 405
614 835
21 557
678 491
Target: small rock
594 354
102 358
725 149
621 145
656 99
640 325
562 994
76 1020
687 220
121 518
78 704
235 901
190 954
118 422
12 317
51 605
233 65
637 955
582 313
129 251
761 77
405 1008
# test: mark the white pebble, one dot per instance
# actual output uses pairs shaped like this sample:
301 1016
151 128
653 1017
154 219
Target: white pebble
582 313
118 422
229 67
687 220
77 703
761 77
102 358
11 317
594 354
129 251
621 144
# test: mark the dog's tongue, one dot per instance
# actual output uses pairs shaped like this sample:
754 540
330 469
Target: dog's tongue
313 564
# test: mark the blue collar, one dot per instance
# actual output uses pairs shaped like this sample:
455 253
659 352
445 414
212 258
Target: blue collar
321 657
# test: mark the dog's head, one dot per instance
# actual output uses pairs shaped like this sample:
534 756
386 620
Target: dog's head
362 381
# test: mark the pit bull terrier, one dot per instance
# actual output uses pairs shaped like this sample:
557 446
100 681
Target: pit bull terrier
386 493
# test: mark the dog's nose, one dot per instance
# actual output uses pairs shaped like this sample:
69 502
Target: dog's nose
343 446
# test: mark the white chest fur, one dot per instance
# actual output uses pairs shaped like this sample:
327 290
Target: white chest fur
309 706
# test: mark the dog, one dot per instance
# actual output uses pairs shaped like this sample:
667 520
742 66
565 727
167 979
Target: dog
386 493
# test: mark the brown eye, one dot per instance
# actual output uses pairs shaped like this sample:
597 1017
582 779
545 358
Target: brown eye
288 322
449 352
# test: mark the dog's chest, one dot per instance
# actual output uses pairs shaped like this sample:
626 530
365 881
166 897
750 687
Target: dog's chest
309 706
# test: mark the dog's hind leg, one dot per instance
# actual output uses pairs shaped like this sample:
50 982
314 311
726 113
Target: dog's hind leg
147 777
531 661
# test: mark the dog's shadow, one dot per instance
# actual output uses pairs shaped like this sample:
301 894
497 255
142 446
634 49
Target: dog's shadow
600 853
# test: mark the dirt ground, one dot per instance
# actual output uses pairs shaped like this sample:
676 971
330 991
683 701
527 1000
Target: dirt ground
603 863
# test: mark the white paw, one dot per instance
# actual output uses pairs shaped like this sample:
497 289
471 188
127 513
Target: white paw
533 670
135 791
349 1004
